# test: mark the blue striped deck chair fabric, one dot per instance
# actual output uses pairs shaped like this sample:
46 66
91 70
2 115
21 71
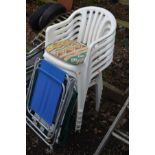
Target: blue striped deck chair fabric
47 91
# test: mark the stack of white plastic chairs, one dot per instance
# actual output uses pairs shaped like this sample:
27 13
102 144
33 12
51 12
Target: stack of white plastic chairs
96 28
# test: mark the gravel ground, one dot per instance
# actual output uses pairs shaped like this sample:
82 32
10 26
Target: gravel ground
95 124
94 127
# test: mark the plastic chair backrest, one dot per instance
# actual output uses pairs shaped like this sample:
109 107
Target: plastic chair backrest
85 25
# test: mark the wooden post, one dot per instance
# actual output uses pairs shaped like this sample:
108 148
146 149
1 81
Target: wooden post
66 3
124 2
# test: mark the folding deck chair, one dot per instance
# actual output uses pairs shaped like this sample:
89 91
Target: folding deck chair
49 95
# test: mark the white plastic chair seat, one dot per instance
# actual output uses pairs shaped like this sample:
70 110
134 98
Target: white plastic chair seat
96 28
69 51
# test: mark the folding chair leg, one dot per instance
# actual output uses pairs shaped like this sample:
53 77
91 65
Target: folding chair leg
99 88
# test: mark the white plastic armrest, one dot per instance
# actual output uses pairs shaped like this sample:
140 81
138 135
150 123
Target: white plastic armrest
51 30
93 45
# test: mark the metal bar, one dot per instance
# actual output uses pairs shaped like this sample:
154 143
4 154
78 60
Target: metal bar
39 135
28 72
108 134
36 127
41 38
36 39
29 67
42 35
36 47
120 138
122 133
59 20
63 17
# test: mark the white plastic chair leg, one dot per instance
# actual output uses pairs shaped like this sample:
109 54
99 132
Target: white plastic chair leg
99 88
82 91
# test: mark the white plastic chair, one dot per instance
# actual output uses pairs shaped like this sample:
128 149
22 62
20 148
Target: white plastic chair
96 28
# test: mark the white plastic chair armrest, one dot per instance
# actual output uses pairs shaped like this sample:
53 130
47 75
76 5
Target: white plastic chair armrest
92 45
60 25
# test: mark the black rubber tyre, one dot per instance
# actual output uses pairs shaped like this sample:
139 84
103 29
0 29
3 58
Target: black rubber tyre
50 13
34 18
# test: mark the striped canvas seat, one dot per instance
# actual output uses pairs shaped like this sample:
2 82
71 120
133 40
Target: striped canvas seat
68 51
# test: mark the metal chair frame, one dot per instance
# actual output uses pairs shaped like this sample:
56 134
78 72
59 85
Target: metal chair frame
37 124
